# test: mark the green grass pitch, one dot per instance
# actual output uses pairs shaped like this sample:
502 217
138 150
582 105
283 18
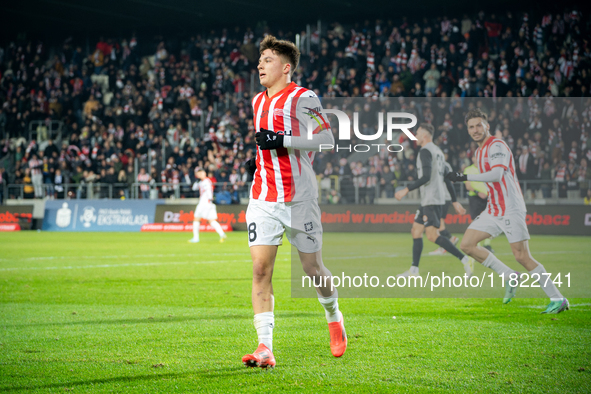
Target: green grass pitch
151 313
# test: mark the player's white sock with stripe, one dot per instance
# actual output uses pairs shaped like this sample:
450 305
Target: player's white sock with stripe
196 231
546 283
331 307
264 323
218 229
497 265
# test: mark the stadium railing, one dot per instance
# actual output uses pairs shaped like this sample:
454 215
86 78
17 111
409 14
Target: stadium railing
346 189
43 130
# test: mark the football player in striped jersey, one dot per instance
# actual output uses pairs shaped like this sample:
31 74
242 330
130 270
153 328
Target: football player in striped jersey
504 213
284 194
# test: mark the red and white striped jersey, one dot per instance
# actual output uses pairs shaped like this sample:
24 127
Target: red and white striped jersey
143 179
205 191
34 165
285 174
504 196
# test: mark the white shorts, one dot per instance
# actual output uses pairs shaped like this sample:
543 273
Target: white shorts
512 224
206 210
267 221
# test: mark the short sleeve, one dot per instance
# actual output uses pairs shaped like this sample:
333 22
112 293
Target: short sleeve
499 155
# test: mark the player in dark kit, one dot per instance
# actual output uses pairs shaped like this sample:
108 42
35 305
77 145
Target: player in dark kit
431 170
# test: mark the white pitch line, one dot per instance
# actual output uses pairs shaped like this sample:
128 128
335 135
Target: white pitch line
208 262
124 256
426 255
381 254
534 253
123 265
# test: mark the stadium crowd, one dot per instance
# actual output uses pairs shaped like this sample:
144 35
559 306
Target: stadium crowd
169 105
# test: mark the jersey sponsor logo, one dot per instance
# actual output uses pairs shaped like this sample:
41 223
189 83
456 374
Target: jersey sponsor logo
277 112
498 155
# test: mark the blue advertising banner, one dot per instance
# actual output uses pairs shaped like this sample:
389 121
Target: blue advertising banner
98 215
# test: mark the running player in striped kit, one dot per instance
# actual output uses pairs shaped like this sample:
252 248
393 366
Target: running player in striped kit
205 208
504 213
477 197
36 175
284 195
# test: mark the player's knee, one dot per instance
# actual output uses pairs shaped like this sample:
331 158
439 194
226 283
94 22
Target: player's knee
522 256
311 269
432 236
261 272
467 246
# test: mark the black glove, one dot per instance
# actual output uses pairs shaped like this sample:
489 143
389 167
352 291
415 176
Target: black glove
267 140
251 166
456 177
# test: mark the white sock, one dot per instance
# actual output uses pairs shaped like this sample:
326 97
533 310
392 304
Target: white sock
414 270
331 307
196 230
497 265
465 260
216 226
264 323
547 285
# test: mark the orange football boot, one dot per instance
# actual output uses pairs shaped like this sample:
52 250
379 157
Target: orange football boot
262 357
338 337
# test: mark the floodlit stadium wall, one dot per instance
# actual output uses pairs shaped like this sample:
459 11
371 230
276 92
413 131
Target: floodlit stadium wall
541 219
174 215
98 215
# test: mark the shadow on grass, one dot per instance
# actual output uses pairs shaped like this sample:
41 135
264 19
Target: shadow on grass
143 320
232 371
525 310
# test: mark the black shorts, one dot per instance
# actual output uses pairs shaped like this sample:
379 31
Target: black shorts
429 215
476 206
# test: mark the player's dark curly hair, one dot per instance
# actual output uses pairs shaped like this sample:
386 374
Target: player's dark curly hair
285 49
475 113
